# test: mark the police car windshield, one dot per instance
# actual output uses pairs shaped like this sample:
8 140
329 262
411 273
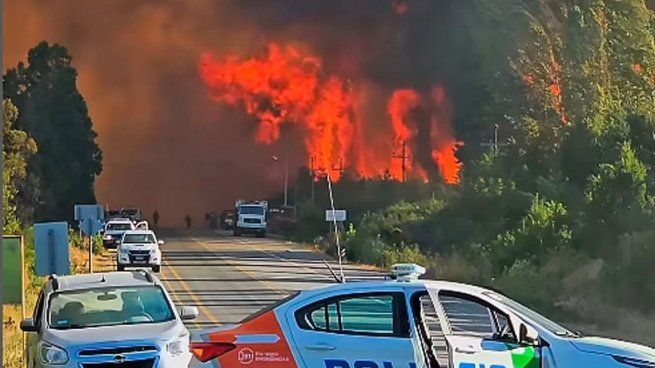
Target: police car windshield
139 238
251 210
532 315
108 307
119 226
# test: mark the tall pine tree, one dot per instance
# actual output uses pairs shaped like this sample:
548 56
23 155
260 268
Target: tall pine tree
54 113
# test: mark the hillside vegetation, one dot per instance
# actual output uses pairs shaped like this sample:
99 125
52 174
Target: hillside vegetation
561 215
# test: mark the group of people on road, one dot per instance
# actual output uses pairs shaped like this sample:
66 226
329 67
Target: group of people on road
187 219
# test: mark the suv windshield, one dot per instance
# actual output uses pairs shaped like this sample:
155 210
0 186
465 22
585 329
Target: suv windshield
119 226
534 316
108 307
251 210
138 238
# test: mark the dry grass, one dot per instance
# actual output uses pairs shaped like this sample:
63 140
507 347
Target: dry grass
12 337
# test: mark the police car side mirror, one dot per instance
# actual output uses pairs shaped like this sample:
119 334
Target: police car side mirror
528 335
188 313
28 325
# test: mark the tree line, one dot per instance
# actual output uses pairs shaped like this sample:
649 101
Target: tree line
50 152
560 213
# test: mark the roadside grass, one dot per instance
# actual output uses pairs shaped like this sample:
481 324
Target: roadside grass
12 336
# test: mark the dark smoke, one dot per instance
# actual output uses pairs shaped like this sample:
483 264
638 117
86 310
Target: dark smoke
166 145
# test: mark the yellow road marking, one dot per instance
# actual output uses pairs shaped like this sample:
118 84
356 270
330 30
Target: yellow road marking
193 296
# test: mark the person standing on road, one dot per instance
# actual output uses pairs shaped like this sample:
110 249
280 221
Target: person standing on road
155 218
187 219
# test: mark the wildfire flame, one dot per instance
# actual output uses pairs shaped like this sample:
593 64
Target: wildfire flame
285 85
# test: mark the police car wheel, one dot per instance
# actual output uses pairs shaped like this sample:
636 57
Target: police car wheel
156 269
120 268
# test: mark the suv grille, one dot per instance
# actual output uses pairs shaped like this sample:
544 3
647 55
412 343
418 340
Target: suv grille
252 221
139 252
116 351
143 363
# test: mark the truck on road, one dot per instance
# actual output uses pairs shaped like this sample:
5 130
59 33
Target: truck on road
250 218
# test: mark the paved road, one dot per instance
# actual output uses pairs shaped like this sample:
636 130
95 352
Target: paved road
229 278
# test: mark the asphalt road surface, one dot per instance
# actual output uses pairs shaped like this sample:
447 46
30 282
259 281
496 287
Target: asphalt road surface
229 278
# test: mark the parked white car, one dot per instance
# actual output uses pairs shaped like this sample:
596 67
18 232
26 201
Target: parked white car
139 248
116 319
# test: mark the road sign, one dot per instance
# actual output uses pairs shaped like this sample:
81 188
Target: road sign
89 211
336 215
12 269
51 248
90 226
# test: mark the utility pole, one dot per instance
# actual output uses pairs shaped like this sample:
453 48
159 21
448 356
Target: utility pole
339 168
312 177
494 145
403 156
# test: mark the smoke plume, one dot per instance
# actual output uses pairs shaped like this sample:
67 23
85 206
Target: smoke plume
168 146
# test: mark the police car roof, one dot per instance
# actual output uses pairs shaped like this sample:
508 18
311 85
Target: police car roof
95 280
364 286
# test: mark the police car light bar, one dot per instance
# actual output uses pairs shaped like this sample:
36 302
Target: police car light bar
407 271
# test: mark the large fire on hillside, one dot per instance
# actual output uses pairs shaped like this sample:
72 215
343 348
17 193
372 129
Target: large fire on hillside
287 85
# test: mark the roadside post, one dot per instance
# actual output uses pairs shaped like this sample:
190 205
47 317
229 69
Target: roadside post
51 248
337 218
89 217
13 273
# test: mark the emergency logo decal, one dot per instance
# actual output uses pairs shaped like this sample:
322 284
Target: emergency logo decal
259 342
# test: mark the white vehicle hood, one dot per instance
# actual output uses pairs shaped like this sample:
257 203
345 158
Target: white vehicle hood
119 333
614 347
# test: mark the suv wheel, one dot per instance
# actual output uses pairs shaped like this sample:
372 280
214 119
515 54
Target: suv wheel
156 268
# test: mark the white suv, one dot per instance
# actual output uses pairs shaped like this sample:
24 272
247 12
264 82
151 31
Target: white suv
116 319
139 248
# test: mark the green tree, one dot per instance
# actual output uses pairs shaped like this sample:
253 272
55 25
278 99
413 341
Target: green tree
54 113
17 148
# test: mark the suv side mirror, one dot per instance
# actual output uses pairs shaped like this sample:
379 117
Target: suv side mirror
28 325
188 313
528 335
160 242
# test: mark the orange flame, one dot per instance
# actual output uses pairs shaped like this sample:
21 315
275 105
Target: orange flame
287 86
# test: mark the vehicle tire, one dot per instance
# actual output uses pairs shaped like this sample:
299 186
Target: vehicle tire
156 268
120 267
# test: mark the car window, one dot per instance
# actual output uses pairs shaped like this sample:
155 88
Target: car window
138 238
379 314
108 306
468 317
431 325
119 227
251 210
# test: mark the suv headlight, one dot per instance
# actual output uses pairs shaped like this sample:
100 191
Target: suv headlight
179 344
51 354
153 251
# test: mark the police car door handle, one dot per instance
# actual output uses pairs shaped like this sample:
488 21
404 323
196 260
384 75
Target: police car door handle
468 350
321 347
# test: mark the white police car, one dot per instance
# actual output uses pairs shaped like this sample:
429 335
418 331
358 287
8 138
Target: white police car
408 323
